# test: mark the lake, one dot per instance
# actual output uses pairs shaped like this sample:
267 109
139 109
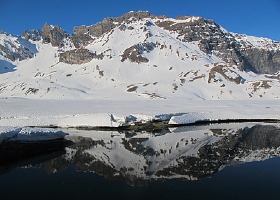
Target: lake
215 161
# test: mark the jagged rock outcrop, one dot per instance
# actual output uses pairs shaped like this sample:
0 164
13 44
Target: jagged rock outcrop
226 72
81 37
54 35
76 56
34 35
134 53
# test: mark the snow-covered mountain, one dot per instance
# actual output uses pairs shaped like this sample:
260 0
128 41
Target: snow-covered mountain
139 55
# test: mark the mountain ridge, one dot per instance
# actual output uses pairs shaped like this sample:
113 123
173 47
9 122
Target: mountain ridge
195 57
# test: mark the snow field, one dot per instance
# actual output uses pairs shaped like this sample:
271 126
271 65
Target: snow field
19 112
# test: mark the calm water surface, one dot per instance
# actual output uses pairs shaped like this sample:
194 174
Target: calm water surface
232 161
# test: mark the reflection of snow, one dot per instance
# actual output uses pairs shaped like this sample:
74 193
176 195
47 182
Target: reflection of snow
29 134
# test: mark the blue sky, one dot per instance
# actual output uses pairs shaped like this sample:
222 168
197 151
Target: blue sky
252 17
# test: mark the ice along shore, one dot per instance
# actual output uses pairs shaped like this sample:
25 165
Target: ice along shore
19 112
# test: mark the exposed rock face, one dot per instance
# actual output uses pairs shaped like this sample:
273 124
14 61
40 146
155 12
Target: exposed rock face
226 72
211 37
77 56
102 27
134 53
34 35
262 61
83 35
53 35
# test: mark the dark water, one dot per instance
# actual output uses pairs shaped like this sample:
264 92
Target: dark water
210 162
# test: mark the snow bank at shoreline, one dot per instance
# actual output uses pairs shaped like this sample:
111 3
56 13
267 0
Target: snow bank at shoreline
18 112
192 118
25 134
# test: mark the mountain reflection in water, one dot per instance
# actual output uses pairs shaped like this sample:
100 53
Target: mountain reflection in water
189 153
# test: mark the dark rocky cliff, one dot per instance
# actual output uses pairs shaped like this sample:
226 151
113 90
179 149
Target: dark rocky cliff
261 61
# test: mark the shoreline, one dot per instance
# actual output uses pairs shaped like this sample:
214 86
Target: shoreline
160 125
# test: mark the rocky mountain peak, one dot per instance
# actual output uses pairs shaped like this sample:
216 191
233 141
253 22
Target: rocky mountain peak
53 34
